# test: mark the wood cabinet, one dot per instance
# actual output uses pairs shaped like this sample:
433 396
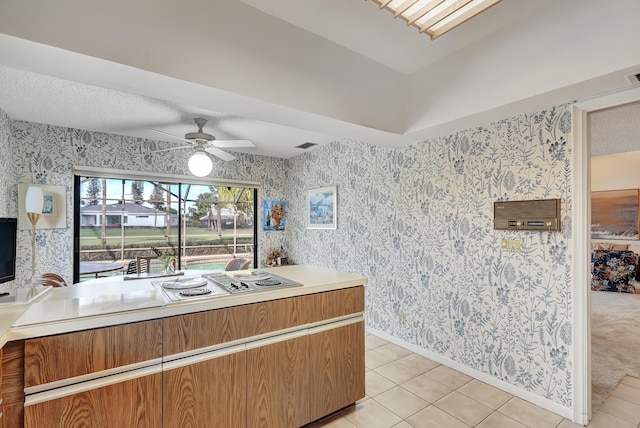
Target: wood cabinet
86 353
336 367
200 330
278 382
207 390
280 363
13 384
101 377
134 402
184 334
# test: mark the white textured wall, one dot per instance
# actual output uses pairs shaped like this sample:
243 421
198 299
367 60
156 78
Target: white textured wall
7 179
616 171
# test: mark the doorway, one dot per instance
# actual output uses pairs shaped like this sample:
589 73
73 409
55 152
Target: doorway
581 231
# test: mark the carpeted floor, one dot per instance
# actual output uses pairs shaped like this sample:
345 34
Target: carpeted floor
615 341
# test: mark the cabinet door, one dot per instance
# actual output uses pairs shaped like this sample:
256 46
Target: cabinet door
277 382
207 390
12 385
130 403
336 354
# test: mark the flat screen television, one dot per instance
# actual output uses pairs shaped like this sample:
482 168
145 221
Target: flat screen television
8 233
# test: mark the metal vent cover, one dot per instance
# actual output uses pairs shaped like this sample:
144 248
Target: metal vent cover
306 145
634 78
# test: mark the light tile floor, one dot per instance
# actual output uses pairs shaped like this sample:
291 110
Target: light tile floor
406 390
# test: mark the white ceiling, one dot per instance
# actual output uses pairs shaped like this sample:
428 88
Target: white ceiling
285 72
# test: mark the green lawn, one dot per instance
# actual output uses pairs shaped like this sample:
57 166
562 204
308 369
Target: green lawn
151 236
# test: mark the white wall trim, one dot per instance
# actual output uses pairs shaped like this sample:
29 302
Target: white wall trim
581 297
581 238
484 377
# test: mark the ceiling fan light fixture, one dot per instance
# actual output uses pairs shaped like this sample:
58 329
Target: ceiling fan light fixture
200 164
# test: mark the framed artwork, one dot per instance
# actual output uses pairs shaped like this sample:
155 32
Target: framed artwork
49 206
614 214
274 215
322 208
54 211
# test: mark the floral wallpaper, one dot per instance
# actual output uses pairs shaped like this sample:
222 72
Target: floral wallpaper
46 154
417 221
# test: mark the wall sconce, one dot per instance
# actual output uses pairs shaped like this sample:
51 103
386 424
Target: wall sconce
33 205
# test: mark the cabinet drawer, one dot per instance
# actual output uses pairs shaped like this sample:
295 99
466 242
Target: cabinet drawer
189 332
185 333
334 304
54 358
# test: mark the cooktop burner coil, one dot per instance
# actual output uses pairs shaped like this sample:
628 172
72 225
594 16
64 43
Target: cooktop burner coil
268 282
195 292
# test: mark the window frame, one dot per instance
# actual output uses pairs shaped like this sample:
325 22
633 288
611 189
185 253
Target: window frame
79 172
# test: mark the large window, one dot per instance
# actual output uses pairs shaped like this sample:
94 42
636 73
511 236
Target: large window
204 226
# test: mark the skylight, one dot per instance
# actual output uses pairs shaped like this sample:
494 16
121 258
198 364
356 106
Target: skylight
435 17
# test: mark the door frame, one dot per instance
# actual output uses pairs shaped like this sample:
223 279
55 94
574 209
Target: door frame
581 232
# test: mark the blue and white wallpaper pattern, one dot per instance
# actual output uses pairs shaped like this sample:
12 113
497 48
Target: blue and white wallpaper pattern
417 221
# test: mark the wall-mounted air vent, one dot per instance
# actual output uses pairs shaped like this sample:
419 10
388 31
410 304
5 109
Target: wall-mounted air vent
306 145
634 79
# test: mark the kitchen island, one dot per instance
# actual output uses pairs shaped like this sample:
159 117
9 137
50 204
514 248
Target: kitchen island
282 357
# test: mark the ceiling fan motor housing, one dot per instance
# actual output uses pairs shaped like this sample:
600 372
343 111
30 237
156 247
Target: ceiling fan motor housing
200 135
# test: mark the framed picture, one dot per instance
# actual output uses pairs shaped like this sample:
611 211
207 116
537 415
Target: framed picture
322 208
49 206
614 214
274 215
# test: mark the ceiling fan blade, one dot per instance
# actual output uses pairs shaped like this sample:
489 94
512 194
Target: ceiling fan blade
172 148
220 153
232 143
168 135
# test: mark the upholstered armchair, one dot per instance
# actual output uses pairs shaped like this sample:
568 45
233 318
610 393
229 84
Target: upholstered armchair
613 270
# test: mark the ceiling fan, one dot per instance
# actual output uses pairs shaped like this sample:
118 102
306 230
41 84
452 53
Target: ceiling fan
203 142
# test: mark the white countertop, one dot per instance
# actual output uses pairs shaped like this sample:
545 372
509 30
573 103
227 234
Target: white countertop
110 301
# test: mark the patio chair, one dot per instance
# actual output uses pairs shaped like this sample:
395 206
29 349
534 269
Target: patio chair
237 264
49 278
132 267
143 263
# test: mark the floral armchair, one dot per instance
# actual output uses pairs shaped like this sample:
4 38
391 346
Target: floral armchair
613 270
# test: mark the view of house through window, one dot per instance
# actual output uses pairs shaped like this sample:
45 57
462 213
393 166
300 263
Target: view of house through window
194 226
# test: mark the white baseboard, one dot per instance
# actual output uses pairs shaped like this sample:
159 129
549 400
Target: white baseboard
539 401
